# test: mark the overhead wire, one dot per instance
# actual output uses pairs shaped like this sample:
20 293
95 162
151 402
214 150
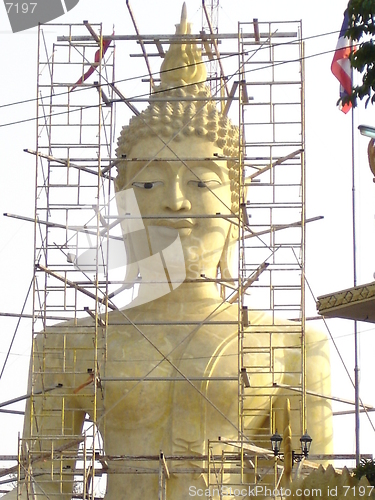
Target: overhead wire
145 95
140 96
122 80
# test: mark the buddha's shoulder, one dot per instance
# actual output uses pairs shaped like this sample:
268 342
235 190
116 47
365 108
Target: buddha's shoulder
88 324
259 323
75 331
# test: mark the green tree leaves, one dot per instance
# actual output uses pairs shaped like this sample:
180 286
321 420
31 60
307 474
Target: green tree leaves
361 28
366 467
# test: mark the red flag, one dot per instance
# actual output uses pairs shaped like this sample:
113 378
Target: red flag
340 66
90 71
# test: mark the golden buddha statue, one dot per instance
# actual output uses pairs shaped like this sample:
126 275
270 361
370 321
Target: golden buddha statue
162 350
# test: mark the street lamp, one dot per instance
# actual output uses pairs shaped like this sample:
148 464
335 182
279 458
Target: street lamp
367 131
276 443
305 441
305 444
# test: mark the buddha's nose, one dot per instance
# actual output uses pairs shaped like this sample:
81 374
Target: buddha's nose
176 198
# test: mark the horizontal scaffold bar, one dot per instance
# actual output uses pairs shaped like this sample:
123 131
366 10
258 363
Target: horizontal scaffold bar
168 39
167 379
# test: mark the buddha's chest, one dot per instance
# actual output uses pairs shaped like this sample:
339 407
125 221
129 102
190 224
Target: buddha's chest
150 373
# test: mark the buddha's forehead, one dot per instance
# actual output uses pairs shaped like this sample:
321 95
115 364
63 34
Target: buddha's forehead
188 148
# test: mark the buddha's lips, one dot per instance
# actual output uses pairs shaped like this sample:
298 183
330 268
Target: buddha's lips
174 223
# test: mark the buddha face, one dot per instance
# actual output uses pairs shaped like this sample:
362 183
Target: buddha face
185 195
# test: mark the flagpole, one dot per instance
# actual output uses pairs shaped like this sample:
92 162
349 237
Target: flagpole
356 367
343 71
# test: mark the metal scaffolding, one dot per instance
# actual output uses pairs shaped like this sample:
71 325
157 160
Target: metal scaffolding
74 190
271 245
272 239
72 196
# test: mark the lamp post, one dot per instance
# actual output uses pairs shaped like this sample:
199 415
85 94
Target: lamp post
305 441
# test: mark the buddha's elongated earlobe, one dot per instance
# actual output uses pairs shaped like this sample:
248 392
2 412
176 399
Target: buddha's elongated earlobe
226 262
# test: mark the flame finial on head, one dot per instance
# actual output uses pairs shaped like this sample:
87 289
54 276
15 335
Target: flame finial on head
183 61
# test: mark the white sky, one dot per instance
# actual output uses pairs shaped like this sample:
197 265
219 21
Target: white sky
328 154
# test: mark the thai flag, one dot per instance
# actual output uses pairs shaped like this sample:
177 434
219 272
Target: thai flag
340 66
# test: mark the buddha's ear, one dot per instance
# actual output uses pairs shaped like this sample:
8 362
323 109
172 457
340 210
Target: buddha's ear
126 202
227 262
246 187
132 268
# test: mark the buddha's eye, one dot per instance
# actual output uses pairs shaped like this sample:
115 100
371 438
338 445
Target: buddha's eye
147 185
210 183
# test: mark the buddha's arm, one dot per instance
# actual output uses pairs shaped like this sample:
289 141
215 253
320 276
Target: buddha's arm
318 388
318 380
53 421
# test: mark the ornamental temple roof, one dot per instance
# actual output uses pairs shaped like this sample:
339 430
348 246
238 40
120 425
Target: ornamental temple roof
357 303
